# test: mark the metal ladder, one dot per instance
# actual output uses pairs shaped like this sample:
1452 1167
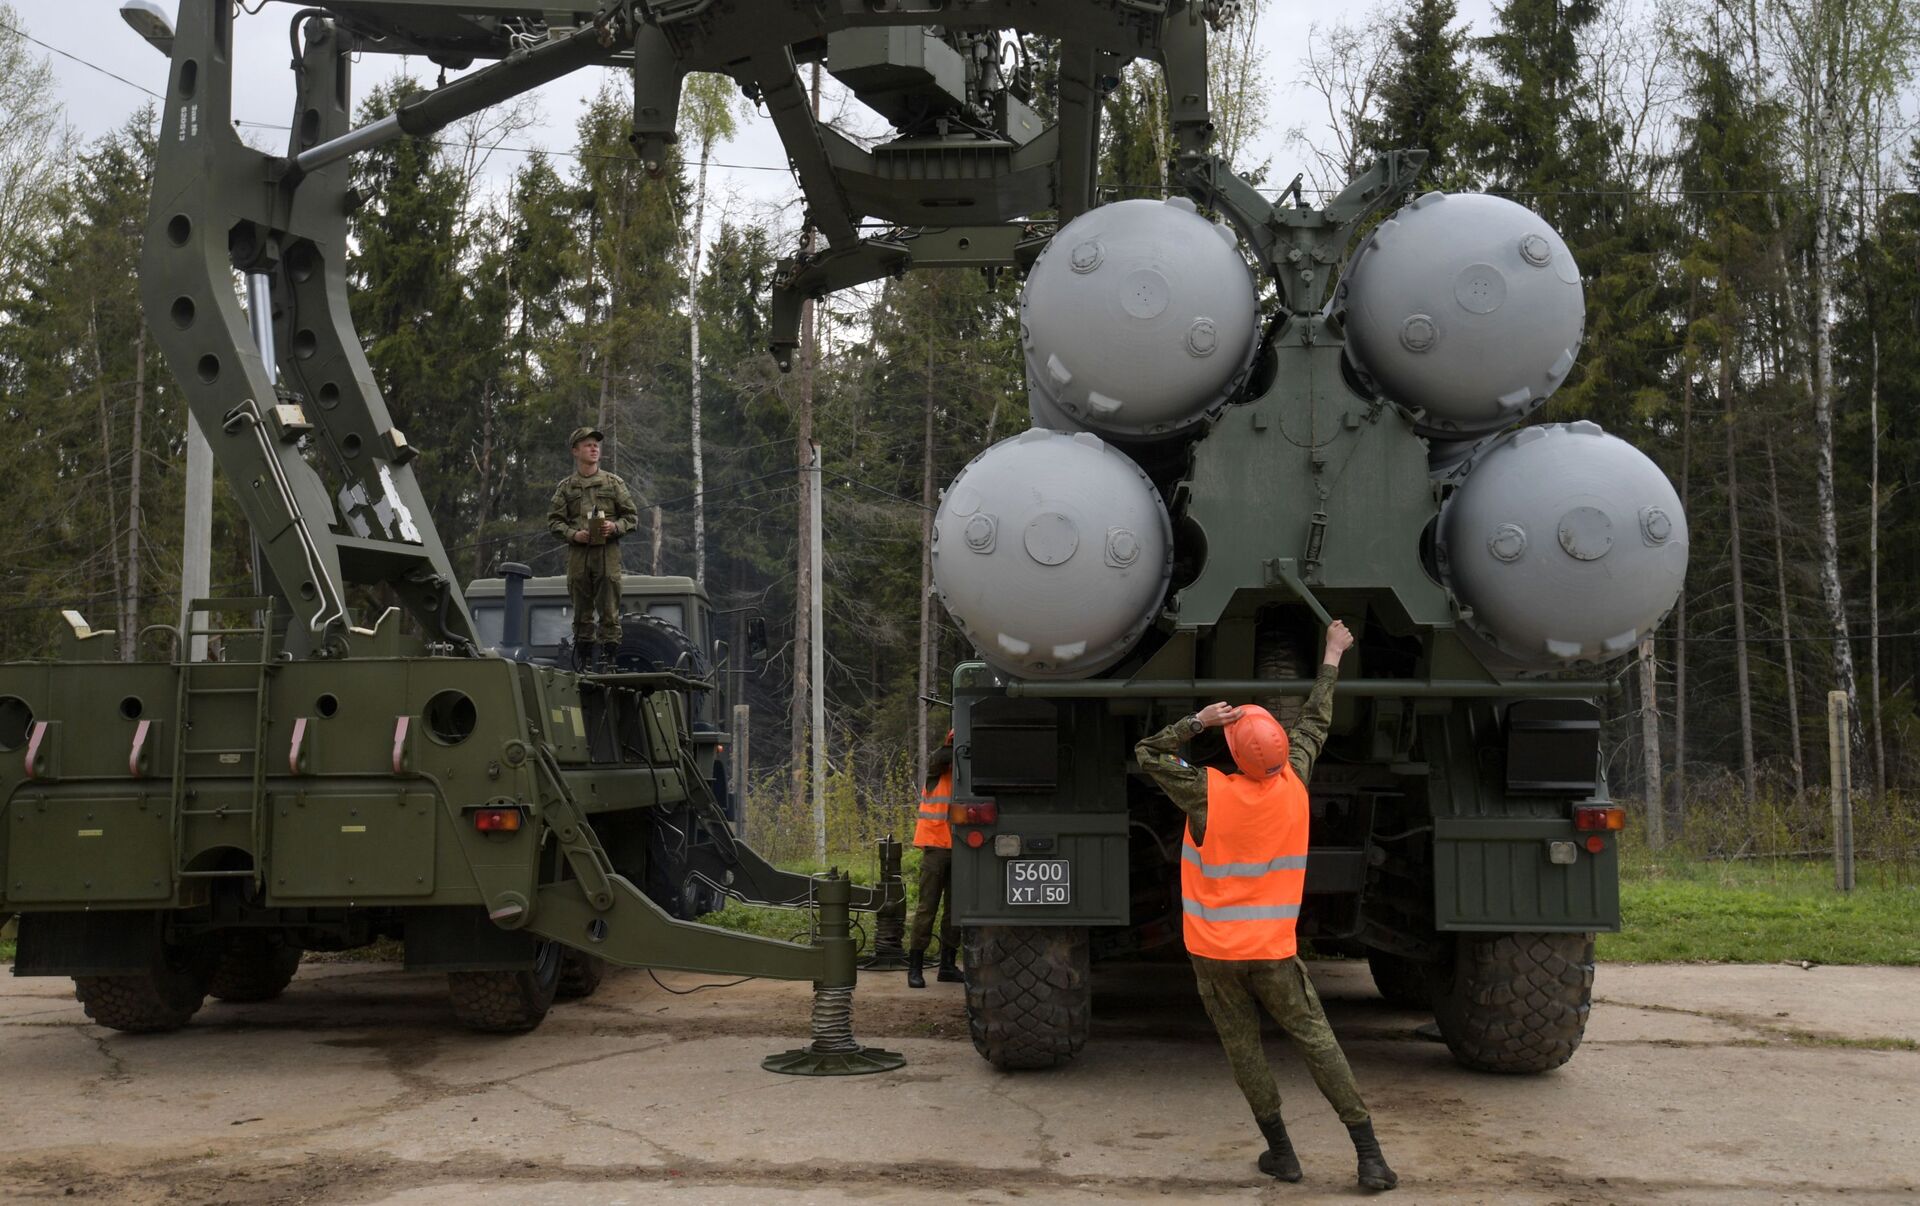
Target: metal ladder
191 673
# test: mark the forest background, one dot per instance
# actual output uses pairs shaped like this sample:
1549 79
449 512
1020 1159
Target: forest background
1736 178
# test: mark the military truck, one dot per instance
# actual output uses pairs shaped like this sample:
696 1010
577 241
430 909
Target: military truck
1205 488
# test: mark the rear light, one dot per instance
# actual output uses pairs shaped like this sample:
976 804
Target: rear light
976 839
985 812
1590 817
1595 843
496 820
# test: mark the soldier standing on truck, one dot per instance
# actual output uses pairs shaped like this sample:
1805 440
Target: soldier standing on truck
934 837
1243 872
591 510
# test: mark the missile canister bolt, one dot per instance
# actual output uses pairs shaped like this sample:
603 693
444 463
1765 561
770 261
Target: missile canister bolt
979 533
1417 333
1123 547
1535 250
1509 542
1202 337
1086 256
1656 525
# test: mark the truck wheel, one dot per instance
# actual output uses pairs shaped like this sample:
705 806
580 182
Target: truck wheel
254 965
1029 993
1402 981
162 998
580 976
1516 1002
507 1002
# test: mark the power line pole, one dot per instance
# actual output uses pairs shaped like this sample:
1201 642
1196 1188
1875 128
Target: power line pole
817 666
656 540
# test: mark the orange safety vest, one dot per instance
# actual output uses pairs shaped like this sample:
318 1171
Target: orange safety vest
1240 892
932 829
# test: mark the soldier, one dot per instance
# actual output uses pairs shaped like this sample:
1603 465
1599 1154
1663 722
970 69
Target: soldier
591 510
1242 874
935 838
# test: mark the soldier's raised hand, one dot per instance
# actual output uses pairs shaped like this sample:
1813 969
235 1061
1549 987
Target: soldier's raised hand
1216 715
1339 640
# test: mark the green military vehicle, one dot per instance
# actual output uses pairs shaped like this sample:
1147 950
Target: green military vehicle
1210 479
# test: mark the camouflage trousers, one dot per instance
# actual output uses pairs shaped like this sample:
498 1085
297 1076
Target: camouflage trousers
936 886
1229 990
593 587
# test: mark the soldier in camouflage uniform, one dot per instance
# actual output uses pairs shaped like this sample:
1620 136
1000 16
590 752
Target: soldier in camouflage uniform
591 510
1230 988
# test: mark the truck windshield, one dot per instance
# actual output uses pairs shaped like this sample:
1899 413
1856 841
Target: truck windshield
669 613
547 623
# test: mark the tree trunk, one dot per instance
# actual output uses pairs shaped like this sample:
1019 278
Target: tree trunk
1832 594
1678 810
1654 790
926 566
1742 673
106 463
130 614
1786 616
1873 580
803 575
693 366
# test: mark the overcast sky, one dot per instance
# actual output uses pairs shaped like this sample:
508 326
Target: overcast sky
758 185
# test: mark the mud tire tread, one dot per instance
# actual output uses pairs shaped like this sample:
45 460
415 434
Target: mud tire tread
1029 993
580 976
253 966
505 1002
1517 1003
148 1003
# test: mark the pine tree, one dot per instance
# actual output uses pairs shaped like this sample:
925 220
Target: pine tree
1426 94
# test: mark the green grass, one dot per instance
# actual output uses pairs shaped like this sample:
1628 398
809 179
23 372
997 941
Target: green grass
1763 911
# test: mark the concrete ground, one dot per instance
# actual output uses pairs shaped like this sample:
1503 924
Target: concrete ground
1696 1084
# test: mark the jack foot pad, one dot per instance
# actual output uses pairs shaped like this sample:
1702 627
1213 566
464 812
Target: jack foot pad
860 1061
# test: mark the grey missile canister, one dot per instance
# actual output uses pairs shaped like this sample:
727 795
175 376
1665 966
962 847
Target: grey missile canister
1567 544
1467 306
1052 552
1138 320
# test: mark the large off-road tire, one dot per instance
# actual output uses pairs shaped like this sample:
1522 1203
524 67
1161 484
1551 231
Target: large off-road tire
1029 993
1516 1002
580 976
253 965
164 997
507 1002
1402 981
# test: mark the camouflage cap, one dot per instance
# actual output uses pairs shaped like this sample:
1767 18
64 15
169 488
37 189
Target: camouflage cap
584 433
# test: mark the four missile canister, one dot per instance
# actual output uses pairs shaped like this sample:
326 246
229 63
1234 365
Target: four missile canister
1568 544
1138 320
1468 306
1052 552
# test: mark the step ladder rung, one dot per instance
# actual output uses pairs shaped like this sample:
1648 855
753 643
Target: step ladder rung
222 691
217 750
215 874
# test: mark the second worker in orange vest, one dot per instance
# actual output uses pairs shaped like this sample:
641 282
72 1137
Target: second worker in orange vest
1243 872
934 837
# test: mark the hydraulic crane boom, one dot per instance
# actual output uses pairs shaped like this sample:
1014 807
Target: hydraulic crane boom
324 476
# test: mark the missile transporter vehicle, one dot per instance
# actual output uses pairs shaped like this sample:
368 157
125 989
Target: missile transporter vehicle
1207 485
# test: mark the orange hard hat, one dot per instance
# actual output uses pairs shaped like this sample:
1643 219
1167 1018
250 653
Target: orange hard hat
1257 742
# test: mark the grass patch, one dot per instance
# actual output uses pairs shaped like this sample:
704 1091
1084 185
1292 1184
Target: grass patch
6 951
792 925
1763 911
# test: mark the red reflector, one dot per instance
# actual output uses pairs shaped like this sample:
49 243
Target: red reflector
984 813
496 820
1595 843
976 839
1600 816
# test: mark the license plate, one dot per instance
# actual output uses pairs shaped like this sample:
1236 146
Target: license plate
1039 881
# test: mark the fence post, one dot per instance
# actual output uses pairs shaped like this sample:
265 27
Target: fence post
1656 788
1840 764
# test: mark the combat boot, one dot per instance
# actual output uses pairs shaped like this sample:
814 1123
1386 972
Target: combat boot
916 969
950 967
1374 1173
604 658
582 656
1278 1160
